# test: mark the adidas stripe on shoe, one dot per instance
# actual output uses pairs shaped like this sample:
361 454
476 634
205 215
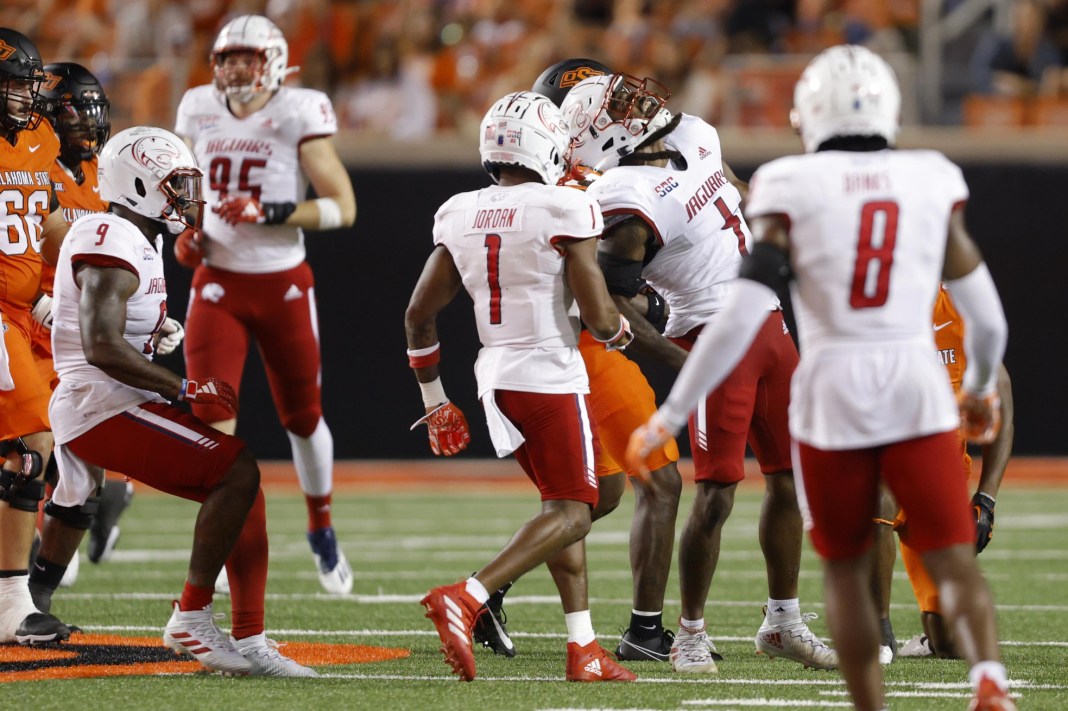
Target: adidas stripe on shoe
194 634
453 613
592 663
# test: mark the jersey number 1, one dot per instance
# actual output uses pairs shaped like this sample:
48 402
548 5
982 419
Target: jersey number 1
875 254
493 276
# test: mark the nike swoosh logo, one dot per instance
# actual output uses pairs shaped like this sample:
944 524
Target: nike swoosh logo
33 149
940 326
648 627
96 188
38 566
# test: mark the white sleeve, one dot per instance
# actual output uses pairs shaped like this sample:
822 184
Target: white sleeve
577 216
720 346
183 122
105 242
771 192
985 329
317 118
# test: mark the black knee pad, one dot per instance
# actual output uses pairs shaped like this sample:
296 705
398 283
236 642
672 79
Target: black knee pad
19 493
80 517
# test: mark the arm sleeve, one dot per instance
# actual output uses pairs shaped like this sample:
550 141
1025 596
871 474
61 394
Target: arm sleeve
317 118
772 191
985 329
183 122
719 348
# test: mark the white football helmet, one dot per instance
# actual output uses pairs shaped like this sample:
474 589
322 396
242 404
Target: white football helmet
610 116
846 90
525 129
152 172
250 33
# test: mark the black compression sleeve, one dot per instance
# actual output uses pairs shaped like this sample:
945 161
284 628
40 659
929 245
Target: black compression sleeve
768 265
623 276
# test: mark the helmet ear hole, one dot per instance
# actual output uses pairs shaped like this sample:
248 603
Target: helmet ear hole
139 186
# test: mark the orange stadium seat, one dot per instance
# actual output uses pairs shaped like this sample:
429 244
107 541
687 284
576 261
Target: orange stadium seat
994 111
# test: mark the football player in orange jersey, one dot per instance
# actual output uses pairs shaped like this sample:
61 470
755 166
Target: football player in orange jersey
28 148
937 638
75 103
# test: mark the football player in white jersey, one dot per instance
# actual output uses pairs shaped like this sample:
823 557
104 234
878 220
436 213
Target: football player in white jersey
672 212
863 234
257 140
525 251
111 410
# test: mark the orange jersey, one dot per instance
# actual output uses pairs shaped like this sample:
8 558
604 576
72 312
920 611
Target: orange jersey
75 200
25 194
949 337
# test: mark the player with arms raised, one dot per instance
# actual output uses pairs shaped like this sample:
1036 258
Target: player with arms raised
525 251
255 138
863 234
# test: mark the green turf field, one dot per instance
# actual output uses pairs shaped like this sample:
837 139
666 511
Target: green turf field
401 544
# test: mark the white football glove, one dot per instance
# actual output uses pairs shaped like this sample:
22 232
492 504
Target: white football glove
171 334
42 311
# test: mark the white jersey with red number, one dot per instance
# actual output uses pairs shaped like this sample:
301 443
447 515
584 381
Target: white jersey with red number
696 218
505 242
259 156
867 242
86 395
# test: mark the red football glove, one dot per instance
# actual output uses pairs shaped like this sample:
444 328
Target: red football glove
210 391
188 249
239 208
980 417
449 433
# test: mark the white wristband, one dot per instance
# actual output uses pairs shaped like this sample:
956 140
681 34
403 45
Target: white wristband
329 213
433 393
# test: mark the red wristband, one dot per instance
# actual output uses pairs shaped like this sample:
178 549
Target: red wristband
425 357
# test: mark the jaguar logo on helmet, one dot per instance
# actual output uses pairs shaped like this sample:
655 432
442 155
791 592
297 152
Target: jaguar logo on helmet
157 154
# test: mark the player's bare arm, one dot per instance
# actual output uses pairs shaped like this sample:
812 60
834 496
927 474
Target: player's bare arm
53 231
620 254
996 454
771 229
437 286
962 254
584 277
102 320
327 175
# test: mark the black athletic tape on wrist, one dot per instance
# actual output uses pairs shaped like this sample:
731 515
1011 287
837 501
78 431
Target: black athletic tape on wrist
275 213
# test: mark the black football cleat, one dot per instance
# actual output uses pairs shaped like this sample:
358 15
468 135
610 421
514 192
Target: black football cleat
41 628
489 629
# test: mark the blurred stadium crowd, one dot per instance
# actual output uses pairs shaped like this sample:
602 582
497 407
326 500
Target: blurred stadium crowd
407 69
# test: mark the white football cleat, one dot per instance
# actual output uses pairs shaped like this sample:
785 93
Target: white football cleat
194 634
263 655
918 646
886 655
795 641
691 652
335 574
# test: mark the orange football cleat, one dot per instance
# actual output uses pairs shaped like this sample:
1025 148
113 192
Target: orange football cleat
592 663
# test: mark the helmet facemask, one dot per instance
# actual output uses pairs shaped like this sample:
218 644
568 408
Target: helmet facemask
611 117
21 98
83 128
182 189
241 72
